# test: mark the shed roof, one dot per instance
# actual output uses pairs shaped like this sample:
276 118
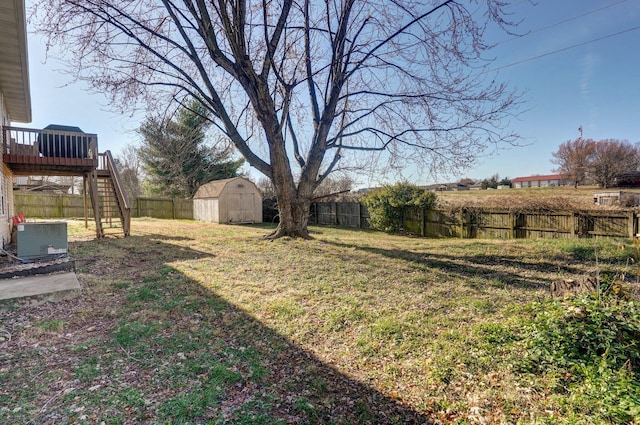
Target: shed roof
14 65
213 189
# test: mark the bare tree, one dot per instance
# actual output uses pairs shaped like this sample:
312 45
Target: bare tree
266 188
467 181
613 158
333 185
492 182
129 166
58 184
574 158
301 87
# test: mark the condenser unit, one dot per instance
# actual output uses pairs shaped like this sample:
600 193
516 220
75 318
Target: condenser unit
36 240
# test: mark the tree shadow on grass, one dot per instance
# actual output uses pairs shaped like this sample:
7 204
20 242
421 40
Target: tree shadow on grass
197 358
297 387
511 270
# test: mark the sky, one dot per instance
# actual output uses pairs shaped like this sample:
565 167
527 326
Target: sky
575 62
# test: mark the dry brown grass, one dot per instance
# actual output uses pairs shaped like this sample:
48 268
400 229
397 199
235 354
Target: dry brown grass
188 322
549 199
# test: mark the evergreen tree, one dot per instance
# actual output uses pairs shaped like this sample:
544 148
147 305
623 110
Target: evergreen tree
176 157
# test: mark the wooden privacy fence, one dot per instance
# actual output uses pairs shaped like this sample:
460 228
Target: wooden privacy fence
435 223
488 223
344 214
169 208
43 205
505 224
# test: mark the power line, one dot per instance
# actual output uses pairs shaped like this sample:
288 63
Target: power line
563 49
564 21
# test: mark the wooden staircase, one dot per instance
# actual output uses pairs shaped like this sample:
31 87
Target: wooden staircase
109 201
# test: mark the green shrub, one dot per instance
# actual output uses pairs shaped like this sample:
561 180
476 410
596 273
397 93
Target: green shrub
583 329
593 343
386 204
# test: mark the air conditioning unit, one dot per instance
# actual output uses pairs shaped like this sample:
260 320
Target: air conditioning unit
41 240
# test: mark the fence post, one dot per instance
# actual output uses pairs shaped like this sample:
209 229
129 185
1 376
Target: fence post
312 213
631 225
60 205
512 220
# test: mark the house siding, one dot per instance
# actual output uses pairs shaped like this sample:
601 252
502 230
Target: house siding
539 181
6 185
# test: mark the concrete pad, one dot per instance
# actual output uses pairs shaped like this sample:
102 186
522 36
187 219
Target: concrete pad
33 290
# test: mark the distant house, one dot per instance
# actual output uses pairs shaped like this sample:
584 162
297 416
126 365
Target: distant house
631 179
541 181
15 95
38 184
436 187
446 187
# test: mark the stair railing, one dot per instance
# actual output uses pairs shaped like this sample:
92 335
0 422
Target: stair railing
92 179
107 163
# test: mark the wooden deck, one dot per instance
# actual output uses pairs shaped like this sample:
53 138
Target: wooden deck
26 165
52 152
59 150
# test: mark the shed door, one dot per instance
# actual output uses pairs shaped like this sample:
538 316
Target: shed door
241 208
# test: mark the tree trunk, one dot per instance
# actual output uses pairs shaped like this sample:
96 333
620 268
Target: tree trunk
294 218
293 210
294 201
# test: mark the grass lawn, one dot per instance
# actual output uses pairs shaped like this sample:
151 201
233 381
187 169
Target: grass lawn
193 323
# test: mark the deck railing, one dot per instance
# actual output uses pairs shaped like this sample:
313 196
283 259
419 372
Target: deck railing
49 143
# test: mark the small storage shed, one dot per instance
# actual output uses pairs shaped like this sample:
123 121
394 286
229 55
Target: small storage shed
235 200
617 197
